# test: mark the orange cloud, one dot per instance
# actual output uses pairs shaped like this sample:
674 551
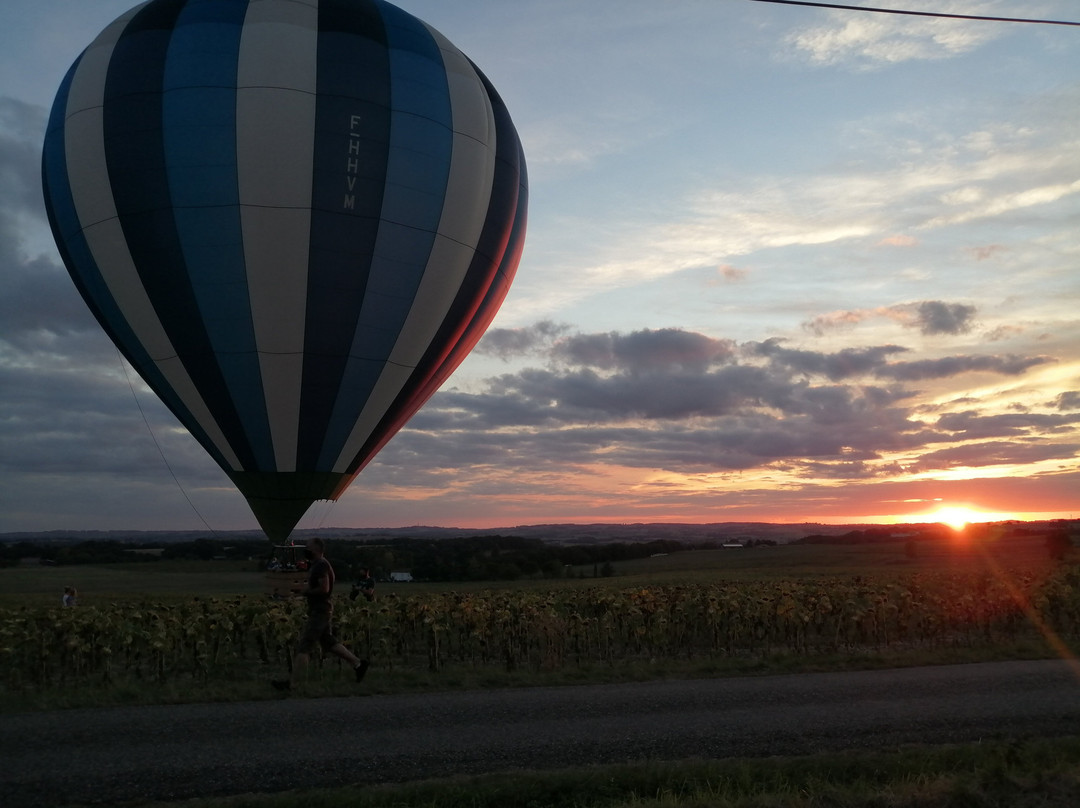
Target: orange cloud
898 241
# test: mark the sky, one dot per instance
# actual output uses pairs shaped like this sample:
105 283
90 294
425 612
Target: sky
783 264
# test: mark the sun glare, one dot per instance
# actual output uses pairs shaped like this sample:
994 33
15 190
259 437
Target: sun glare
958 517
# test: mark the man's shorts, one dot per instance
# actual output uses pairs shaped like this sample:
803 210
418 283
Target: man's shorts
317 632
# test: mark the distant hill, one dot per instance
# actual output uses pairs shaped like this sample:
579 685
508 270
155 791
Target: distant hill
597 533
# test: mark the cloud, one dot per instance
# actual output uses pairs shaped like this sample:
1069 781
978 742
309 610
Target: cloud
726 273
994 453
871 41
567 143
936 317
1068 401
988 251
837 320
948 366
898 241
1008 202
21 128
679 401
642 350
970 425
1003 332
931 317
909 178
873 361
835 366
506 343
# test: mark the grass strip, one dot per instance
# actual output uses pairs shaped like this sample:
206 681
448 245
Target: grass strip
251 682
1031 773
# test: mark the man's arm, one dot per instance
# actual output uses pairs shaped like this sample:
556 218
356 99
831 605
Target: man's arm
322 585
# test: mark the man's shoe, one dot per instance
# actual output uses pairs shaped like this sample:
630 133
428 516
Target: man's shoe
361 669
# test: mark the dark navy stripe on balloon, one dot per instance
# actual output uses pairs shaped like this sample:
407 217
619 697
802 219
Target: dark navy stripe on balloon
134 142
417 169
352 135
482 291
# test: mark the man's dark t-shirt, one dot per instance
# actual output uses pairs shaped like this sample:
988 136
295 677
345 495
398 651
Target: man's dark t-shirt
320 602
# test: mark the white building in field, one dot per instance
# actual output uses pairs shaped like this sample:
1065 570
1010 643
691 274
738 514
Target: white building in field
401 577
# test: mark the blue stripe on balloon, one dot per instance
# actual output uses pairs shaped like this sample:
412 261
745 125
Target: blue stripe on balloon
83 267
199 118
135 154
55 183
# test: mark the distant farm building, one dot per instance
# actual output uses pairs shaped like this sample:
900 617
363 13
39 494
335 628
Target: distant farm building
401 577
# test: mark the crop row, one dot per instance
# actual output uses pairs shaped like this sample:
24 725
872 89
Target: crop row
205 639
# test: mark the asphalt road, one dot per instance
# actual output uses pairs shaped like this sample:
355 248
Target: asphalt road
106 756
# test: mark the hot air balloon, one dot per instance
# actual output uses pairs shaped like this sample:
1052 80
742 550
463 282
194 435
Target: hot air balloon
294 218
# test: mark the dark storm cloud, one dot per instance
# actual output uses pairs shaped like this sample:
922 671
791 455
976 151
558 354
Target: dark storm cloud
994 453
676 393
971 425
1008 365
642 350
39 305
681 401
1068 401
874 361
835 366
931 317
506 343
21 129
846 469
834 423
936 317
738 444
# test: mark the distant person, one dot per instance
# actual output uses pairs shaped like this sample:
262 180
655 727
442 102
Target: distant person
365 586
318 630
71 597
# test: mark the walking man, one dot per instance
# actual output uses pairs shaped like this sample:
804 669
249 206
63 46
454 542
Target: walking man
318 630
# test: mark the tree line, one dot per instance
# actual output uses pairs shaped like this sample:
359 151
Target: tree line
476 558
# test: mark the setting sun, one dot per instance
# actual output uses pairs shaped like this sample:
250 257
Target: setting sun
958 517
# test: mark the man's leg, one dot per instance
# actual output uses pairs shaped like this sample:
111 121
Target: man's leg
313 629
359 666
341 651
299 666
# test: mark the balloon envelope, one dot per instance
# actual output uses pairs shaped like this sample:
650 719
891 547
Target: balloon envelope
294 217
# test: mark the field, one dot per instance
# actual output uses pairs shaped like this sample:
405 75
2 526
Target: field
159 632
162 631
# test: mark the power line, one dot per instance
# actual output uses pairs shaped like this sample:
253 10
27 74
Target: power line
916 13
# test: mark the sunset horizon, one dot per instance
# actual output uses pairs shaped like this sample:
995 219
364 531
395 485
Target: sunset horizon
782 264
